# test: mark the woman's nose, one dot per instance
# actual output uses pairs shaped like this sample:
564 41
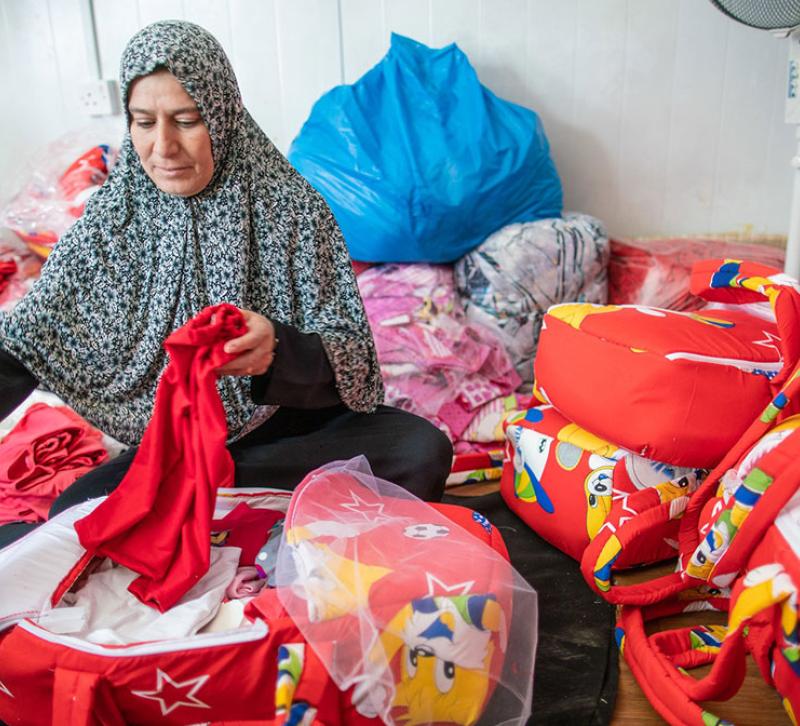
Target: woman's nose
165 144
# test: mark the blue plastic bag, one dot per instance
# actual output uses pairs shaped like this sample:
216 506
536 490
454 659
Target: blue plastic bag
420 163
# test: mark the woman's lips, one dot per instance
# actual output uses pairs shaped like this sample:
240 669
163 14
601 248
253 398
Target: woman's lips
172 171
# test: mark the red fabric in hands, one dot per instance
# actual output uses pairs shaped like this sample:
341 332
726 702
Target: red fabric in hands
43 454
158 521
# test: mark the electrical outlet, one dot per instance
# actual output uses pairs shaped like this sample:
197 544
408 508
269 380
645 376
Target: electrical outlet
99 98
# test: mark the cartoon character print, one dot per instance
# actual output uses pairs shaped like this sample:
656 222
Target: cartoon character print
710 549
530 453
645 473
583 439
707 639
445 646
291 661
574 313
598 488
330 584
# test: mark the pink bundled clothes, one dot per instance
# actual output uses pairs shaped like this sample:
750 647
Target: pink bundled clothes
48 449
158 521
246 583
434 363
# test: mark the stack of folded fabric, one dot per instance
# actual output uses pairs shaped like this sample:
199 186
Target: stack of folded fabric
47 450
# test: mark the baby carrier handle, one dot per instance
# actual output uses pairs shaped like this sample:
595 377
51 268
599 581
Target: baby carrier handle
659 661
737 282
621 533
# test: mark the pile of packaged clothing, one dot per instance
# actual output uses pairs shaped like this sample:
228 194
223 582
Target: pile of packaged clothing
53 195
454 211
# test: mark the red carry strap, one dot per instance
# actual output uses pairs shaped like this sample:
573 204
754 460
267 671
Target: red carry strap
781 465
737 282
653 674
625 536
634 517
657 660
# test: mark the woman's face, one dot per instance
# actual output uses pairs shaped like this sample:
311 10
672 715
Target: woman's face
169 135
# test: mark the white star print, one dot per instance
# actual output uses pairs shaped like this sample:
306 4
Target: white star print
464 587
770 341
4 689
190 699
370 512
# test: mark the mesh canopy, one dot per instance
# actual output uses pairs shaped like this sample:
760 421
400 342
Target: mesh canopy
428 622
764 14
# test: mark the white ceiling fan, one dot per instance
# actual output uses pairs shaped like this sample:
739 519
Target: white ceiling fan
782 18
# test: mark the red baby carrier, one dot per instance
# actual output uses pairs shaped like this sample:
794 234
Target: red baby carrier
385 608
739 540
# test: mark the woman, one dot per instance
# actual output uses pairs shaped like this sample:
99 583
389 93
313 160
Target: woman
201 209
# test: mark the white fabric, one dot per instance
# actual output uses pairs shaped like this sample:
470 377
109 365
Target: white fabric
111 615
32 567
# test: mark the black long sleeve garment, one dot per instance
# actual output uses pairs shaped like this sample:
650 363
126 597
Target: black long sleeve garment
300 376
16 383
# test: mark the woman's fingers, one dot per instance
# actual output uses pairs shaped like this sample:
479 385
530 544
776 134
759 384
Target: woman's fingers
253 363
255 350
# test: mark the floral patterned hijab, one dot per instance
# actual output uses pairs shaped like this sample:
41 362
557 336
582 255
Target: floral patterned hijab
140 262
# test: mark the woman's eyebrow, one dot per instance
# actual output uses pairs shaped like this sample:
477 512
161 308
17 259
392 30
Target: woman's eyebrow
187 109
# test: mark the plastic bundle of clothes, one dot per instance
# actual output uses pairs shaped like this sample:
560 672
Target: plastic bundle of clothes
508 282
656 272
434 362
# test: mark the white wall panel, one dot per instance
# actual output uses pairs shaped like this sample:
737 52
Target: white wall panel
552 31
590 171
365 40
215 17
774 194
151 11
745 123
501 58
256 61
695 117
456 21
305 76
645 124
116 21
33 105
664 116
408 17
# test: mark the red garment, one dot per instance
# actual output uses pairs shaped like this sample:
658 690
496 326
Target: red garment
158 521
8 268
48 449
245 527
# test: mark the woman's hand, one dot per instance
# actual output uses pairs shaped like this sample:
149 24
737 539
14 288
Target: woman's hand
255 350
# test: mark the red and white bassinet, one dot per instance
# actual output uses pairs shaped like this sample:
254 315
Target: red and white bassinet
386 610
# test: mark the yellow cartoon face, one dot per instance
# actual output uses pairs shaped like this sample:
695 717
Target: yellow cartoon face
330 584
574 313
583 439
598 490
446 656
